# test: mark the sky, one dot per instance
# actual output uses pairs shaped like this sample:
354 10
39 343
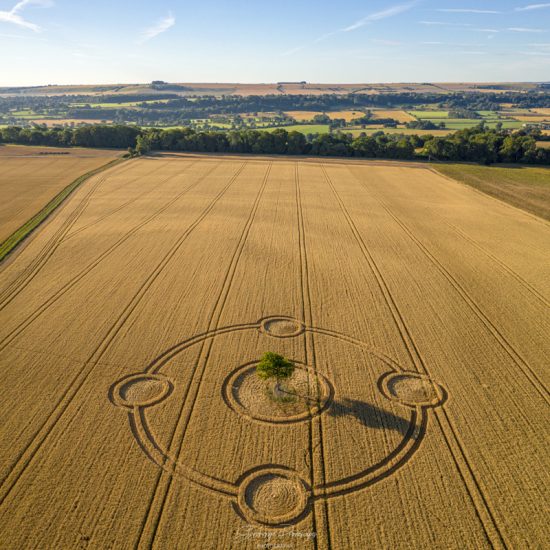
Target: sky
350 41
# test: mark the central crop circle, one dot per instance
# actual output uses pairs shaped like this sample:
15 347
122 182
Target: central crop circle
307 394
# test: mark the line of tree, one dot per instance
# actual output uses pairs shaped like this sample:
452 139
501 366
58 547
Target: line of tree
97 136
477 144
174 108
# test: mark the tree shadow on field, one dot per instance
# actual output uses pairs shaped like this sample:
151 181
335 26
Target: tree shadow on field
369 415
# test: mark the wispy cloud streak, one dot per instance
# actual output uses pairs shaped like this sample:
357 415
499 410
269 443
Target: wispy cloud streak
524 29
467 10
377 16
161 26
531 7
13 16
384 14
444 24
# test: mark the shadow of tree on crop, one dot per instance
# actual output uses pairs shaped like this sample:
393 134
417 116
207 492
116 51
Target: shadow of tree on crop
369 415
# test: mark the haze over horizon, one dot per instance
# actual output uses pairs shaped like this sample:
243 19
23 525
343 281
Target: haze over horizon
58 42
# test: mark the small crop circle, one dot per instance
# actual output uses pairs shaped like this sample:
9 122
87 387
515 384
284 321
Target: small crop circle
281 327
272 496
140 390
413 389
308 394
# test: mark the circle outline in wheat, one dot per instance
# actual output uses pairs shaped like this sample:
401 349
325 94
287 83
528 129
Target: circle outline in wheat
278 475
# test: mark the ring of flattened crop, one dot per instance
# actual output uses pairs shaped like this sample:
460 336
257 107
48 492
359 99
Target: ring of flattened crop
137 415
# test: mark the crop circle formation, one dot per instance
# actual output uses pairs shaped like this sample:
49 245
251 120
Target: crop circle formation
276 495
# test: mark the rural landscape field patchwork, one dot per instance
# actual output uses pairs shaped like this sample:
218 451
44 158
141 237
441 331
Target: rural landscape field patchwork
275 276
415 310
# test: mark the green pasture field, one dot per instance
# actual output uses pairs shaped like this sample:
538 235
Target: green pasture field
119 105
527 188
26 116
507 124
427 115
405 131
303 128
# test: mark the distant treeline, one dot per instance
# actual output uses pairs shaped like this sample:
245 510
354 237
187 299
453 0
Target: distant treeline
98 136
184 109
176 110
477 144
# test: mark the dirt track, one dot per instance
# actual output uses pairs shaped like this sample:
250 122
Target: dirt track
418 305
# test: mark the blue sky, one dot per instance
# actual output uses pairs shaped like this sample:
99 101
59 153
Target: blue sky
74 41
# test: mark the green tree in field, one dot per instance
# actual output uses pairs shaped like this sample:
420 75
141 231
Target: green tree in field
273 365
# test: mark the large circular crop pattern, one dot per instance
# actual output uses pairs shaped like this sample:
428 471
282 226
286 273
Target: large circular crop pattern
358 393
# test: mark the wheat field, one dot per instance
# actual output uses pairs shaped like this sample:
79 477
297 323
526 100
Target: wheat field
396 114
305 116
31 176
415 309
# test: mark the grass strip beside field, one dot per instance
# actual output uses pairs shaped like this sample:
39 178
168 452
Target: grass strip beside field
527 188
29 226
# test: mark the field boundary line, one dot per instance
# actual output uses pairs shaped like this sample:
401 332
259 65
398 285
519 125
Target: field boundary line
163 486
471 485
30 271
23 232
69 284
484 194
315 423
80 378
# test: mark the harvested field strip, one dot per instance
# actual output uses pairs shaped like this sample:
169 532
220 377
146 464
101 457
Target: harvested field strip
74 386
26 229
